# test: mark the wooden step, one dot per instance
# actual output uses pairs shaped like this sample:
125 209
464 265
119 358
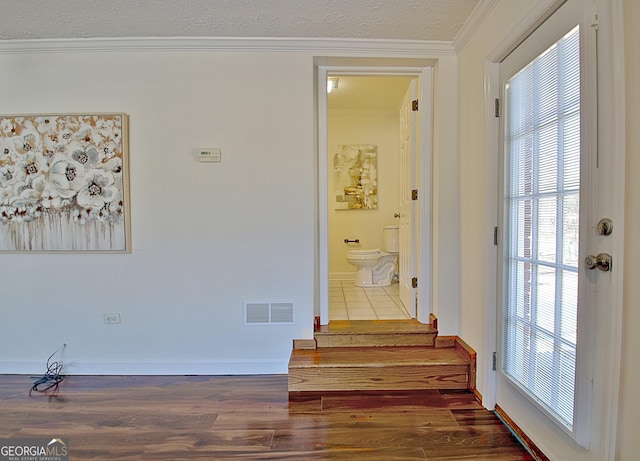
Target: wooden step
378 368
367 333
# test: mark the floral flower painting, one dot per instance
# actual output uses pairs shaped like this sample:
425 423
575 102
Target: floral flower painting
63 183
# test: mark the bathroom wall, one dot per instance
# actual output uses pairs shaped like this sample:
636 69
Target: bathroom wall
379 127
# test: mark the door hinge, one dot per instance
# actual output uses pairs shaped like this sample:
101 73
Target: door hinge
595 20
414 194
494 362
414 105
414 282
495 236
497 107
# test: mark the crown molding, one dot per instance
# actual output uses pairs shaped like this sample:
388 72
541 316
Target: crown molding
377 47
471 25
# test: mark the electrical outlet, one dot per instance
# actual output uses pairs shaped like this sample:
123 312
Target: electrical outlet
111 318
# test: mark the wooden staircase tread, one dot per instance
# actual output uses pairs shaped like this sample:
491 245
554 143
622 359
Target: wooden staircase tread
366 327
403 356
382 355
375 333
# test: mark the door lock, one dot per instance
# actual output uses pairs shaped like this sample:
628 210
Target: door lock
604 227
602 261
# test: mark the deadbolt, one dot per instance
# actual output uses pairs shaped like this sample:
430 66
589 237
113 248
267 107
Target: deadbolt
605 226
602 262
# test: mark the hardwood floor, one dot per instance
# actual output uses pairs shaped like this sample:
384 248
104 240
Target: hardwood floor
250 417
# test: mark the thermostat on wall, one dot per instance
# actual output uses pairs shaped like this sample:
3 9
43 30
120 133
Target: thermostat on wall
209 154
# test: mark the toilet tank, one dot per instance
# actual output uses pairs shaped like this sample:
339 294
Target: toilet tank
390 235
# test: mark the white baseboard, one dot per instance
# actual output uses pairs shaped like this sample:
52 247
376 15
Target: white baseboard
342 276
235 367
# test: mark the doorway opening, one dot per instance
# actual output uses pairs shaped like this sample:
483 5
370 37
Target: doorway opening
362 119
363 122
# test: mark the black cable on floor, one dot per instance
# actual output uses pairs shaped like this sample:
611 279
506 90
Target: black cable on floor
52 377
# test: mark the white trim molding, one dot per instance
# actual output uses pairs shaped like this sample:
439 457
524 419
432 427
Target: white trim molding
364 47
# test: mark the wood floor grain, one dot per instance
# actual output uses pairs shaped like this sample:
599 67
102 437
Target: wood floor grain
250 418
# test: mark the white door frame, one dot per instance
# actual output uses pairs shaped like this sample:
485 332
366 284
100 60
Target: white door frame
424 253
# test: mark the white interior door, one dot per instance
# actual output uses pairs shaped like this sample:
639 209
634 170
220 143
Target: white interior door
407 182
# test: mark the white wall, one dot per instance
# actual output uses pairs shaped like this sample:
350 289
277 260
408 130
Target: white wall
363 127
206 237
475 218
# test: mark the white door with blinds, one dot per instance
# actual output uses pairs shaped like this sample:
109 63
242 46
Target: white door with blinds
542 201
550 205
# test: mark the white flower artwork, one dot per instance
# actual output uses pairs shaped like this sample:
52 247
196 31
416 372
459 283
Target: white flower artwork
64 183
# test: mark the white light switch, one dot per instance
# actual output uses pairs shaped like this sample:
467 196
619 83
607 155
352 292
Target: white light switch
210 154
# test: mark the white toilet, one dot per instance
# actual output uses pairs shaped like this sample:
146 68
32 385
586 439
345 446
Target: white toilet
376 268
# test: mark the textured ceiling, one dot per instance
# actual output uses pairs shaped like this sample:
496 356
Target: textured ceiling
360 19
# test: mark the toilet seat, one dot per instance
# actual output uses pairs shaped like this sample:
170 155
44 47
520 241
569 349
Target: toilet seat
365 254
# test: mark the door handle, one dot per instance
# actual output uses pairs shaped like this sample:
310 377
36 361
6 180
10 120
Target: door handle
602 261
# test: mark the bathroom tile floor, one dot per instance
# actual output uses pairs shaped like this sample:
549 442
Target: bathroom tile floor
348 302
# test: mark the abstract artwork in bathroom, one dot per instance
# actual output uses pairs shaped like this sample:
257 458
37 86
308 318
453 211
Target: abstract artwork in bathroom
64 183
355 176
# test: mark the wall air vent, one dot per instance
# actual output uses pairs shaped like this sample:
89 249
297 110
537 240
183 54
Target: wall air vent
268 312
